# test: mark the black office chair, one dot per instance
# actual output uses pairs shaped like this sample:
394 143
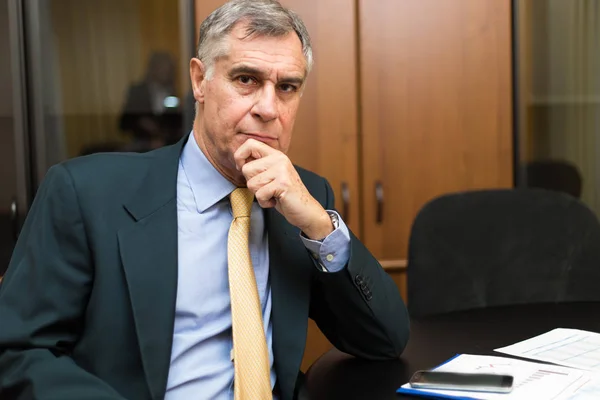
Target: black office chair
557 175
502 247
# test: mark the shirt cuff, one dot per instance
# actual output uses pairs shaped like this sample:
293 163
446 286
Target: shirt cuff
332 253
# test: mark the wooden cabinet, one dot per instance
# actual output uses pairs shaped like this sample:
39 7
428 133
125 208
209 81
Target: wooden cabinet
435 109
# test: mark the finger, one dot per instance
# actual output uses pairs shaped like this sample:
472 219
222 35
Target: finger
260 180
268 194
261 165
251 149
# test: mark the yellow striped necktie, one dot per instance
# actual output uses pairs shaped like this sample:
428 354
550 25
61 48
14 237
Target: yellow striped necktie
252 380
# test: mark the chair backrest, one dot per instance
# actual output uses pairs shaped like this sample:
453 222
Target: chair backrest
557 175
501 247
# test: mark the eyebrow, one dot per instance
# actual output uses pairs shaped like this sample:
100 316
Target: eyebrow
248 70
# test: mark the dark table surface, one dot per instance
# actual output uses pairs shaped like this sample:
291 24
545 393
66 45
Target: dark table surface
433 340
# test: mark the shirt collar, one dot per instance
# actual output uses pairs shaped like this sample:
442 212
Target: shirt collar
207 184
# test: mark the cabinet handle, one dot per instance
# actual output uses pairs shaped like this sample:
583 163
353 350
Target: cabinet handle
379 197
14 219
346 203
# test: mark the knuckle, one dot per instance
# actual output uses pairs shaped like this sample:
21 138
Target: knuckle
262 199
285 181
283 159
261 203
252 185
246 168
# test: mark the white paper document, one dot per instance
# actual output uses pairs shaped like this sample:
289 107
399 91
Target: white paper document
531 380
569 347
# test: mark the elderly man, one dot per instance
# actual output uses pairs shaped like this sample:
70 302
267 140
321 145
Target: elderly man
190 272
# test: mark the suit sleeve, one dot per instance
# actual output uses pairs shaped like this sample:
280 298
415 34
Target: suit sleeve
43 299
359 308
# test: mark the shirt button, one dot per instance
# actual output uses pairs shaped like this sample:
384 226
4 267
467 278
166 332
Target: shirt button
329 257
315 255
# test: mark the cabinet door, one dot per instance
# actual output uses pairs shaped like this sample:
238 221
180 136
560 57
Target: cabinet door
325 134
435 109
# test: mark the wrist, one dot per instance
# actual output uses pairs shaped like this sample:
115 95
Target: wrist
320 228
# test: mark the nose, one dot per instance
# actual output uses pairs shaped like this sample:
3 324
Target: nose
266 104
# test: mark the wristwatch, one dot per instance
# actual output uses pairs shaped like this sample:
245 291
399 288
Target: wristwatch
334 219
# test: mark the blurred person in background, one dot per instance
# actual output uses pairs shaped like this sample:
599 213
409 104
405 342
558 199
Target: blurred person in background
152 112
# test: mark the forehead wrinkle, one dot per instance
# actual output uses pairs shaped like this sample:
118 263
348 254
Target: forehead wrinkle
265 53
280 58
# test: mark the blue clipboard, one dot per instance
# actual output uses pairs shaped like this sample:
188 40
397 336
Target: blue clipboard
427 395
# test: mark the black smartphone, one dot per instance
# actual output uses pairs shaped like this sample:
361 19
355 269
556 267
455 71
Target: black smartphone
462 381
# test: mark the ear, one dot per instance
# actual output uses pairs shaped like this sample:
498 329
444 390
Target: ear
198 78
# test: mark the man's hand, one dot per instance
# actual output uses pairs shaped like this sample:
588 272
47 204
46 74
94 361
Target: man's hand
274 181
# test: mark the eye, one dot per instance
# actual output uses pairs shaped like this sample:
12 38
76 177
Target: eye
288 88
246 80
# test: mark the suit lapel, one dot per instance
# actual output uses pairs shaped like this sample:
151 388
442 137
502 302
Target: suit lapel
290 273
148 249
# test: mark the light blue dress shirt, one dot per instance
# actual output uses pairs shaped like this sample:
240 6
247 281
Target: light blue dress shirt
201 366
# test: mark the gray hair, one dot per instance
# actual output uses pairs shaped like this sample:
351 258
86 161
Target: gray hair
263 18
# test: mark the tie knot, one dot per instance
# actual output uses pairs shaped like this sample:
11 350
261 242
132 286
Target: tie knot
241 202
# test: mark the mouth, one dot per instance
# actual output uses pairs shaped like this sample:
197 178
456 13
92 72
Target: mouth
261 137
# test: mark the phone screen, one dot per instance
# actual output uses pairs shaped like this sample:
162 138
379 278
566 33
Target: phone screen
462 381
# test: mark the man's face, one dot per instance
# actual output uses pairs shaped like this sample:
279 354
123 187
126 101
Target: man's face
254 92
